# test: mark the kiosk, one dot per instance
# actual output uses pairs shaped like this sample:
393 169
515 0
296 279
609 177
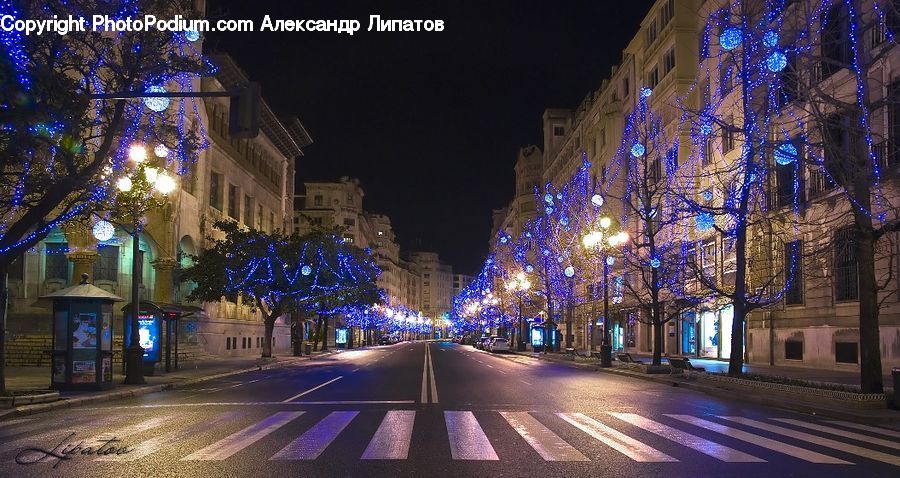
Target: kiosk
157 322
82 337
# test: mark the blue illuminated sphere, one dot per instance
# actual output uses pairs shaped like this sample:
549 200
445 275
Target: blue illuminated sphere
731 38
706 128
559 259
192 35
570 271
707 195
786 154
559 196
597 200
610 260
103 230
638 150
770 38
306 270
705 221
156 104
646 92
564 221
549 210
654 263
548 198
504 239
529 268
776 61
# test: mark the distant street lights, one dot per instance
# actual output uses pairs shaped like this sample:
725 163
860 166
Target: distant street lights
519 286
599 242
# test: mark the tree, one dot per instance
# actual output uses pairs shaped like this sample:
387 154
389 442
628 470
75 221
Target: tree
654 275
281 273
59 149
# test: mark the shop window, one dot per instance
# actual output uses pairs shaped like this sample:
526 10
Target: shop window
846 352
793 350
846 278
57 264
107 265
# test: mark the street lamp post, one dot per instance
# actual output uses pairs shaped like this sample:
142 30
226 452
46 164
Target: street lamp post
133 189
594 241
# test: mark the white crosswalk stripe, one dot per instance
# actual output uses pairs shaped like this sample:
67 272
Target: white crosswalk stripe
761 441
694 442
391 440
236 442
314 441
618 441
548 444
843 433
156 443
868 428
826 442
467 439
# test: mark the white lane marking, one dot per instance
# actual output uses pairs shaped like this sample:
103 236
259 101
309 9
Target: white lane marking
526 383
239 440
253 404
314 441
841 433
501 371
312 389
13 422
355 370
424 398
467 439
713 449
844 447
156 443
489 365
868 428
391 440
434 395
546 443
761 441
618 441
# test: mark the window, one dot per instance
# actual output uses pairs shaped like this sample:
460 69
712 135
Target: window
654 170
259 217
793 274
893 140
727 138
215 190
668 61
559 130
227 343
318 200
836 53
17 268
708 257
233 201
248 211
349 221
793 350
846 352
107 265
846 278
667 12
653 78
271 221
349 239
789 183
652 32
57 264
626 86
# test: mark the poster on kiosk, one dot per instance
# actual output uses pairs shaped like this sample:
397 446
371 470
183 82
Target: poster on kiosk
149 330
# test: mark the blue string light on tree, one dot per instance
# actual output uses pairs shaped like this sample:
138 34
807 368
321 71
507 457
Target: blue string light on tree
731 38
705 221
770 38
786 154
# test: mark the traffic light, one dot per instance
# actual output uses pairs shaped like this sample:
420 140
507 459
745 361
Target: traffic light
243 118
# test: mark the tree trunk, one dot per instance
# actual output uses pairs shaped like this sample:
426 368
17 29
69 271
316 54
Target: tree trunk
570 311
318 333
4 298
267 343
325 333
870 377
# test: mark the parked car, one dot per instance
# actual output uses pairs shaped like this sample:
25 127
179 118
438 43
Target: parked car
480 343
499 344
385 340
486 343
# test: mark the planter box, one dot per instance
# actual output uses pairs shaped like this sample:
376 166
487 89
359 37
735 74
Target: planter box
648 369
17 400
860 401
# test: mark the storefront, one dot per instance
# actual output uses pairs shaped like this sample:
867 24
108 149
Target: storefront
715 327
688 328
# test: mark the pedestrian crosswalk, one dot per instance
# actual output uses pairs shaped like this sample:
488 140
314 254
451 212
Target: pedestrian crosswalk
305 435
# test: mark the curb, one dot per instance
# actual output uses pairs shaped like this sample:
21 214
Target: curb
26 410
803 407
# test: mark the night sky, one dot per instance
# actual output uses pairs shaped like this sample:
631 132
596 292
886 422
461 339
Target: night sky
429 122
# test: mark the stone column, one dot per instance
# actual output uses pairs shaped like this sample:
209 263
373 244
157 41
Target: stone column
164 287
83 263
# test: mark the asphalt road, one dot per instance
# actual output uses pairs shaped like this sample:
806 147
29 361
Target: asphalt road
440 409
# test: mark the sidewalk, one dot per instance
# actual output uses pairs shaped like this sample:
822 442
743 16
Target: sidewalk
38 378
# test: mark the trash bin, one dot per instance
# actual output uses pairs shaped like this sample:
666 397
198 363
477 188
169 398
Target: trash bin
895 374
307 348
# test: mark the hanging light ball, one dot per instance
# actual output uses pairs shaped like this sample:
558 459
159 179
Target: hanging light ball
570 271
529 268
646 92
605 222
776 61
156 103
610 260
654 263
103 230
770 38
164 183
704 221
559 259
161 151
786 154
706 128
548 210
731 38
504 239
124 184
192 35
137 153
707 195
597 200
548 198
638 150
306 270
